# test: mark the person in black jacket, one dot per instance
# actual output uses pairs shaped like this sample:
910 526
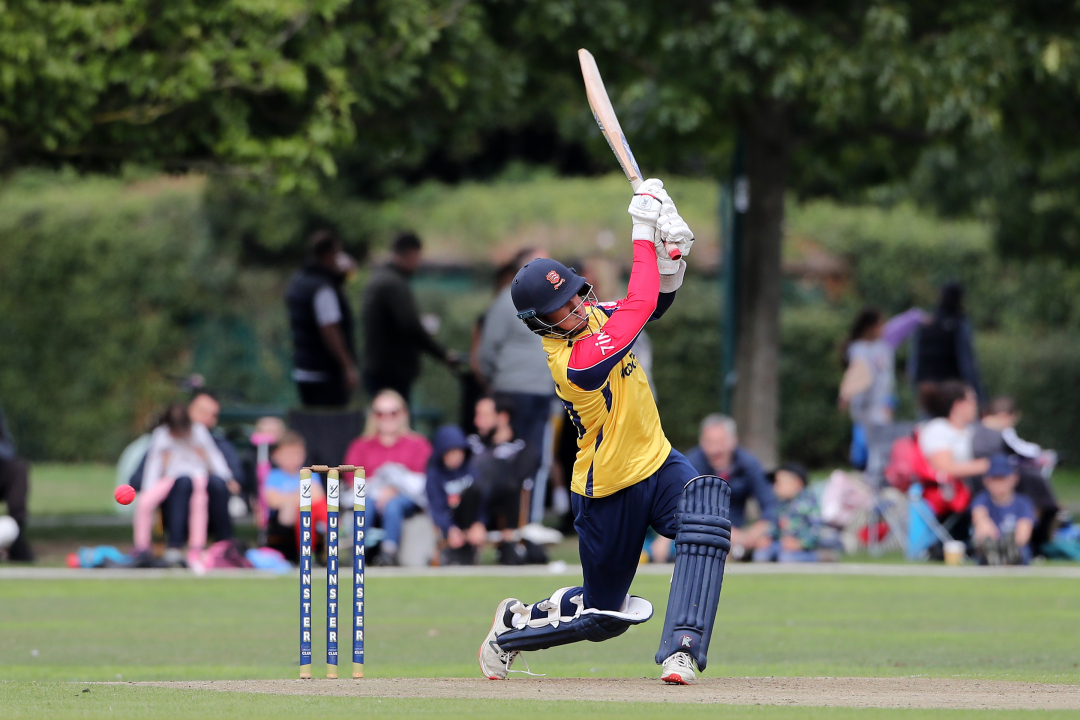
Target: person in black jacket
944 349
324 356
394 337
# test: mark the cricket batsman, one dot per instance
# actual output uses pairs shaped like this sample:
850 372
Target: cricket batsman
626 476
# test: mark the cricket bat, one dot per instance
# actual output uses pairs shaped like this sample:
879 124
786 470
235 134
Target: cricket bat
609 126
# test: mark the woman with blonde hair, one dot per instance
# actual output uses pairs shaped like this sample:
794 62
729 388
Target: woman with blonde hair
394 459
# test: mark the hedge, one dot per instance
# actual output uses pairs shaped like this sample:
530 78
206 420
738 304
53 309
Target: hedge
110 289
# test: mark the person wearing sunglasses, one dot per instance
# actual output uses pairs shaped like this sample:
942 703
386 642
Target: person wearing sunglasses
395 460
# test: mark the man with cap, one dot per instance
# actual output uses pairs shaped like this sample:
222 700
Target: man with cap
1002 519
626 476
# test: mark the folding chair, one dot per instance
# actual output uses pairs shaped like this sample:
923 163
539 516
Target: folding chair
879 442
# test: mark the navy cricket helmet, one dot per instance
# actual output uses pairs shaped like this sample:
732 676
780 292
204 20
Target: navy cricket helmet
543 286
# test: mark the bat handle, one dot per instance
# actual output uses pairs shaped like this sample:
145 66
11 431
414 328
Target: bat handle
673 251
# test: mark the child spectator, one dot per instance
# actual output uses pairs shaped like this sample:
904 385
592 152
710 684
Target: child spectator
282 489
388 444
1002 519
997 434
454 500
178 448
798 522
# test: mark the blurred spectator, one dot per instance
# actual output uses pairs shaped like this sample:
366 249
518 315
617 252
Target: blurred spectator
944 348
387 440
204 409
394 337
1002 519
454 499
179 449
324 356
798 520
718 453
946 440
996 433
870 373
15 491
282 489
513 361
503 468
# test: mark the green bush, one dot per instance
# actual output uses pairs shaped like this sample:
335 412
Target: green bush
111 288
1043 375
97 281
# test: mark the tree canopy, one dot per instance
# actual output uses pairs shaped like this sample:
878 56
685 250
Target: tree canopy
971 107
278 89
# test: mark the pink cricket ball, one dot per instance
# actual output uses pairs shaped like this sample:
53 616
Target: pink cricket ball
124 494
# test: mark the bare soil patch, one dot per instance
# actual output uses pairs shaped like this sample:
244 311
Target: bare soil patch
825 691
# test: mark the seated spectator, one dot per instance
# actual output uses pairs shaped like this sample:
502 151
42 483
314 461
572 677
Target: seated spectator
503 467
996 433
718 453
945 442
179 449
282 489
15 491
798 519
204 409
454 499
388 439
946 439
1003 520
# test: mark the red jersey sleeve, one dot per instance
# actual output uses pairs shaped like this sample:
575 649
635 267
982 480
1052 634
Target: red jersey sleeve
593 357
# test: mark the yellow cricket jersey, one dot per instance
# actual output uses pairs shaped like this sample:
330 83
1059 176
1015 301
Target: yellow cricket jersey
620 441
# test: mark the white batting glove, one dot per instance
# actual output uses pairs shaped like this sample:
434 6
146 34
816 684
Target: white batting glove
645 208
670 282
673 229
664 263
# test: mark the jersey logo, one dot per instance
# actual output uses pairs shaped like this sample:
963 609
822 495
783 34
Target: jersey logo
554 279
603 341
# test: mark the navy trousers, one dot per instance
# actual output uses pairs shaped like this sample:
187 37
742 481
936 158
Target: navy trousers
611 530
176 508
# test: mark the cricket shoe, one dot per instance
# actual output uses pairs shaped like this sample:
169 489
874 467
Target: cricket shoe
679 669
494 661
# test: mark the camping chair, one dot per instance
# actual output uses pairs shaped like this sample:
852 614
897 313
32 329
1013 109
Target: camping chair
932 495
880 440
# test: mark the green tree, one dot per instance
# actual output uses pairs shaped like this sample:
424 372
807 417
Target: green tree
828 98
271 89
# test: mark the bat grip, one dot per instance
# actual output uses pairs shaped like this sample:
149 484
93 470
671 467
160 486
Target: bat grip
672 248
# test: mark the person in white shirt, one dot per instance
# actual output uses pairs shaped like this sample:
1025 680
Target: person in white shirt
946 440
178 448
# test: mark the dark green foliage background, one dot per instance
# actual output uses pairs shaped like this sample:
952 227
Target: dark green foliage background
110 289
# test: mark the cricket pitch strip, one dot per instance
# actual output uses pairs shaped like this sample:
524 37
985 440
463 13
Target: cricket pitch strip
858 692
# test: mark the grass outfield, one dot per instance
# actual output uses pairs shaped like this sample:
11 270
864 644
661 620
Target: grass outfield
86 489
1007 628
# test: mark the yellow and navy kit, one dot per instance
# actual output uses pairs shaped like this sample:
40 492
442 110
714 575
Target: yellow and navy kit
605 391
